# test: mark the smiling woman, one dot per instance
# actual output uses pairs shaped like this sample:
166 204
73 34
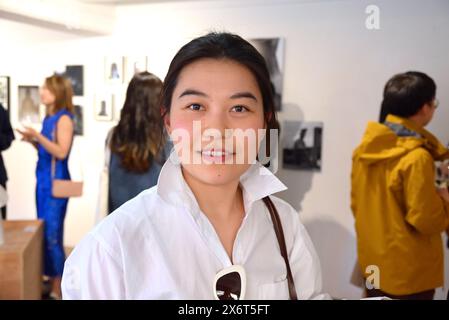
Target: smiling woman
177 239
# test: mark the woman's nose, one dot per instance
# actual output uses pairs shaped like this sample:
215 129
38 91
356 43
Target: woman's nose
215 125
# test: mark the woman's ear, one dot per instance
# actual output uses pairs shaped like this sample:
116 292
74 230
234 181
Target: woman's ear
167 123
166 119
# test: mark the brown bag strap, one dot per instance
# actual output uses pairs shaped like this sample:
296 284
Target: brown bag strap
281 240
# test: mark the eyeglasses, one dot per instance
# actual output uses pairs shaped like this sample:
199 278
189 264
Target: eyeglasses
230 283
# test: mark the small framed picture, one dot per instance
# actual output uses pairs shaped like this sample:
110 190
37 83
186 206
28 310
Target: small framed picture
29 102
104 107
75 74
78 120
302 145
134 65
4 92
113 70
272 49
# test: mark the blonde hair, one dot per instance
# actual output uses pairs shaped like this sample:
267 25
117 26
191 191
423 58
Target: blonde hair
61 88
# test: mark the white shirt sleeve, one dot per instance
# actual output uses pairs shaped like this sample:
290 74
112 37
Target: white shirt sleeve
93 272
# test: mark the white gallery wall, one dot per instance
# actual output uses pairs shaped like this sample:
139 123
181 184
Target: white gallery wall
335 69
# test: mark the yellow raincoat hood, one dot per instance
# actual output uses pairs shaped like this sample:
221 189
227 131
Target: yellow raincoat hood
381 143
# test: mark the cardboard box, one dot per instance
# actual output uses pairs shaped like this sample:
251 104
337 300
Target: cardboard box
21 260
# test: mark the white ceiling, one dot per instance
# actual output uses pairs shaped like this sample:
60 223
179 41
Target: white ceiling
123 2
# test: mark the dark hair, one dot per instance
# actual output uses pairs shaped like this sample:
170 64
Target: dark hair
406 93
223 45
139 136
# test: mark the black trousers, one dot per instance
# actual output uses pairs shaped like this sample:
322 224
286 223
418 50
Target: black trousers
426 295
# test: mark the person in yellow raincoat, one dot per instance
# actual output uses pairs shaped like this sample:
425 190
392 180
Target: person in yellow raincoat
399 212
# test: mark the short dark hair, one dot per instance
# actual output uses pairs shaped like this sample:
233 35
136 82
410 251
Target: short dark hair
406 93
223 45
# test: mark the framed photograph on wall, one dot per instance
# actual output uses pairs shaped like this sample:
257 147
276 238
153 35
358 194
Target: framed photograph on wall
104 107
113 70
301 145
29 102
135 65
272 49
78 120
75 74
4 92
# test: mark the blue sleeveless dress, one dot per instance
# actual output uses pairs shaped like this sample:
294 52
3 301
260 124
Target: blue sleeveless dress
51 210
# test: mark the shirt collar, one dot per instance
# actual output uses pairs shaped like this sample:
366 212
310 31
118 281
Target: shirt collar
257 182
431 143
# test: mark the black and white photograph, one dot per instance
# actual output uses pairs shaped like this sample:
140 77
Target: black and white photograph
104 107
4 92
75 74
78 120
29 102
113 70
272 49
301 145
135 65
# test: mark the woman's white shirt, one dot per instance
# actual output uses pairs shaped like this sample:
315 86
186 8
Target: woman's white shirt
160 245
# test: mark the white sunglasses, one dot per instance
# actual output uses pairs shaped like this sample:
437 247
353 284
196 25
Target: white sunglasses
230 283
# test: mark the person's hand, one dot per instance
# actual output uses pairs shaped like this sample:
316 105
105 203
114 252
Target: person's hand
444 193
28 134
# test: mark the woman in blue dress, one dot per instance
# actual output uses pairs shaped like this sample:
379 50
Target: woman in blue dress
53 143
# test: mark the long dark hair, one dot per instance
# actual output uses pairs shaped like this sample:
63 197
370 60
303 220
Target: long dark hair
406 93
139 136
222 45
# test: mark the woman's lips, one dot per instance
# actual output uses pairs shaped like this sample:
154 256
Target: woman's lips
213 155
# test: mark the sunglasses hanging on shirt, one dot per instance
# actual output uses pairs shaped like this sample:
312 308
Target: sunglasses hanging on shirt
230 283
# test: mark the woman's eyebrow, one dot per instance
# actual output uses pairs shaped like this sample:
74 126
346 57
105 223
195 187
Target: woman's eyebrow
245 94
192 92
238 95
